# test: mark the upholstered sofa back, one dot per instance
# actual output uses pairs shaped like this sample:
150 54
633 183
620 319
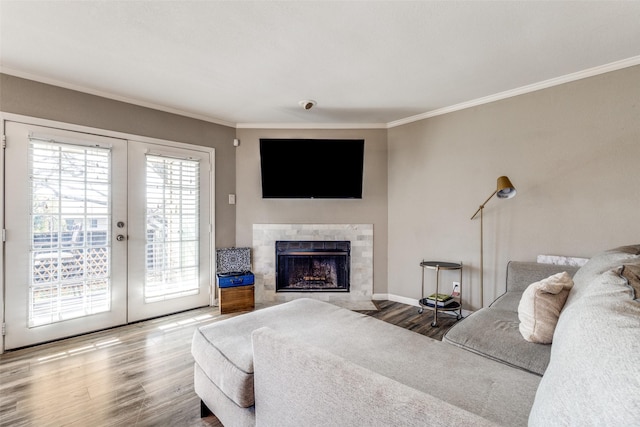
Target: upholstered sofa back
593 377
298 384
521 274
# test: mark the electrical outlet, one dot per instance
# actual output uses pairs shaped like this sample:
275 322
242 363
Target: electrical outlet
455 292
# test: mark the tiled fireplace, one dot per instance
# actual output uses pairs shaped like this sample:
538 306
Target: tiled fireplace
358 238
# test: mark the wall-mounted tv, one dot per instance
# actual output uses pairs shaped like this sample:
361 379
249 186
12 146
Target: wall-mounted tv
312 168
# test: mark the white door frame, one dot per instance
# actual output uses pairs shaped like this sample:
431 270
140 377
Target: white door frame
7 117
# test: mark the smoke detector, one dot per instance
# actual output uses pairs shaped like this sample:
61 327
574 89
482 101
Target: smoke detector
307 104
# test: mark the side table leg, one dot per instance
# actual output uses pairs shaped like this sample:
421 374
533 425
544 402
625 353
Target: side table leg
421 310
435 305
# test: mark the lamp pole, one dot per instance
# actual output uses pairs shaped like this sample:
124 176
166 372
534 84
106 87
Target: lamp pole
482 258
504 190
481 209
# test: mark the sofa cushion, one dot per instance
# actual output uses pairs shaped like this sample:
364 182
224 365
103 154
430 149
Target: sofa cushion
599 264
593 377
494 333
226 410
540 307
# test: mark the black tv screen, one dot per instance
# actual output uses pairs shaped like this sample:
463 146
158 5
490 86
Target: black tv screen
312 168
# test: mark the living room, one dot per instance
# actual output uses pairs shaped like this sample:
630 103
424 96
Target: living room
568 149
568 142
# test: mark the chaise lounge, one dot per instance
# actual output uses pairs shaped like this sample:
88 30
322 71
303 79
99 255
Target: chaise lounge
307 362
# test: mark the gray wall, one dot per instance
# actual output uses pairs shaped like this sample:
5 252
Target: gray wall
29 98
572 152
371 209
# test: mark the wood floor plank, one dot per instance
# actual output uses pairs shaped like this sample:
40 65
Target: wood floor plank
135 375
407 316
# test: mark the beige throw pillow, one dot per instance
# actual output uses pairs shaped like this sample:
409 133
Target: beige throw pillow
540 307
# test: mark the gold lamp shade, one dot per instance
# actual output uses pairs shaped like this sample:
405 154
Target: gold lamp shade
505 190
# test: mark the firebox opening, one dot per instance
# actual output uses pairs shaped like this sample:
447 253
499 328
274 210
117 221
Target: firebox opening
312 266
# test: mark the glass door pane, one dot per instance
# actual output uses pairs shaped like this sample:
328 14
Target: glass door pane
172 212
70 245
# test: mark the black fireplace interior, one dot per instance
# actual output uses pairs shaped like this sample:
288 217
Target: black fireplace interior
312 266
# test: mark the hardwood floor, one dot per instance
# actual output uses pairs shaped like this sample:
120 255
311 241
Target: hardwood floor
135 375
407 316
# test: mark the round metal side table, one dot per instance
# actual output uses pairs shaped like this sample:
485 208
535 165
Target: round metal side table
455 306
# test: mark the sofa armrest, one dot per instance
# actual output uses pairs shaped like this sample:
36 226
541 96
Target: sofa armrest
297 384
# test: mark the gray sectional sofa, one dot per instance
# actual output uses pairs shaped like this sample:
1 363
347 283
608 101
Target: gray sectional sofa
309 363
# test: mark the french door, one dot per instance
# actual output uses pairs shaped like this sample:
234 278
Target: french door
100 232
169 266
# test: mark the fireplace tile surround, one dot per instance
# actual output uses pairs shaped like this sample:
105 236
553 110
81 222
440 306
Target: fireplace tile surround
264 261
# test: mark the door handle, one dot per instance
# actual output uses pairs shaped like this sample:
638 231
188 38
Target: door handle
119 237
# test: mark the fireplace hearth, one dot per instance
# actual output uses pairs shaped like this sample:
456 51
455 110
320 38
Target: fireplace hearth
312 266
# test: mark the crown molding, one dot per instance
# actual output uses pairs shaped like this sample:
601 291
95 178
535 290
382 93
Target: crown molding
108 95
613 66
311 126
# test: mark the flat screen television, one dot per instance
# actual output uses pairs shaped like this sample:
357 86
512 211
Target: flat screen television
312 168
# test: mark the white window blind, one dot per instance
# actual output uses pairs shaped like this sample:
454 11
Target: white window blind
172 218
70 221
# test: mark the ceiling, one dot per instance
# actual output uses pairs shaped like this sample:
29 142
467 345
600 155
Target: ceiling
366 63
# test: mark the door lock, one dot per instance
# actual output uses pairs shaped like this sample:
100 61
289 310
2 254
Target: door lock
120 224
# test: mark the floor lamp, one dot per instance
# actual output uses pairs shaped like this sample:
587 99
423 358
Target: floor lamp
504 190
